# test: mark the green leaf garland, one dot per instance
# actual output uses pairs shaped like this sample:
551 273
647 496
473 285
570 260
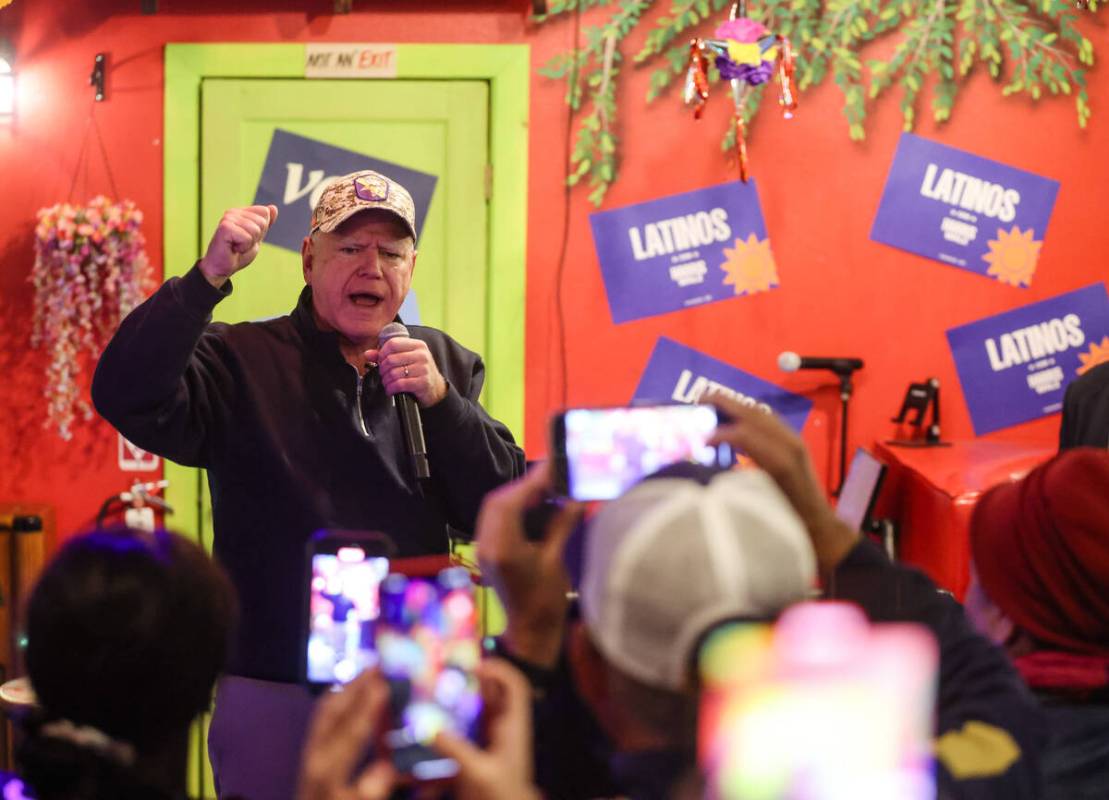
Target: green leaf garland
1031 47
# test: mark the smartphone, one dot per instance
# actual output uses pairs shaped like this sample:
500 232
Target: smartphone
598 453
821 706
427 640
860 490
342 605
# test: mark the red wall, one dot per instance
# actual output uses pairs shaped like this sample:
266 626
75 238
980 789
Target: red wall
840 293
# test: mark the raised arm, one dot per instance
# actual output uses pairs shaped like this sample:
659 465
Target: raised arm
162 381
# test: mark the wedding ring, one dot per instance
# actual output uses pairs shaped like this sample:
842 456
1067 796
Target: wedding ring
406 371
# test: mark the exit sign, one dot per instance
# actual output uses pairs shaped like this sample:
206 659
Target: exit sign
332 60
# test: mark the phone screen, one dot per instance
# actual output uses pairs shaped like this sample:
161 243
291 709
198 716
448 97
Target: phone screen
343 609
860 489
428 642
601 452
821 706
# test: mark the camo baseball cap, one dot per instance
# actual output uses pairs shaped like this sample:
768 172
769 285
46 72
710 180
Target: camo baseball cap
362 191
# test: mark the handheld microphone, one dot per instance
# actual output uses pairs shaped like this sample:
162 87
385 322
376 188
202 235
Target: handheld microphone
409 412
791 362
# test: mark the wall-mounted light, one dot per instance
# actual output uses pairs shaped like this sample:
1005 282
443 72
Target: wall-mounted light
7 80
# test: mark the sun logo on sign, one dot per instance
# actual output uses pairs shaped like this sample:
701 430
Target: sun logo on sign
750 266
1097 354
1012 257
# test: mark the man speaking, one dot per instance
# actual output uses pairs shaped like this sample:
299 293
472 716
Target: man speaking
295 421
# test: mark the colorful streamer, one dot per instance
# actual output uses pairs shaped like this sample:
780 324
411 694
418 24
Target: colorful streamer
745 54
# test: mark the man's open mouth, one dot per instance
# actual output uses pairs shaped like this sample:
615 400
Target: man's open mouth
364 299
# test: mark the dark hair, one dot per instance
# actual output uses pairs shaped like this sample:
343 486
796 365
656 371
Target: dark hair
127 632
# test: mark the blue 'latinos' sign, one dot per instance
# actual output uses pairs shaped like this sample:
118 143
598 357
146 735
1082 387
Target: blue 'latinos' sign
684 250
676 373
1015 366
297 170
964 210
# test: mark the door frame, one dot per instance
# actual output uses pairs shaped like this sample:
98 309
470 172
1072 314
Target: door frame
507 70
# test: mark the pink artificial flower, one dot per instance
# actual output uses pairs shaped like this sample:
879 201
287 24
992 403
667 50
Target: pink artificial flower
744 29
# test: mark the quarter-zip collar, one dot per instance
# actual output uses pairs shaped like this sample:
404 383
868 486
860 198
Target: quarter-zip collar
323 344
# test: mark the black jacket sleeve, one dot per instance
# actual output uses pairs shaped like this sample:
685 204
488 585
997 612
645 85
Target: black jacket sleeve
162 381
469 452
990 729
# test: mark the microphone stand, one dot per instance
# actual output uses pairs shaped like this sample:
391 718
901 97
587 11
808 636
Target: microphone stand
846 389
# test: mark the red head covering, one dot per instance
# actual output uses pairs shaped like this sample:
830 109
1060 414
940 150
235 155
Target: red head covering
1041 549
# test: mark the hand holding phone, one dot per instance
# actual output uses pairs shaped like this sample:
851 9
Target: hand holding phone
343 726
530 577
780 452
502 770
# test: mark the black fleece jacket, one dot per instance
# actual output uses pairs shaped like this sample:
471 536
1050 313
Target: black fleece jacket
294 441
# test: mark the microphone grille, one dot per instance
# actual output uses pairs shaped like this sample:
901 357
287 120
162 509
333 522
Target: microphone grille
391 331
789 361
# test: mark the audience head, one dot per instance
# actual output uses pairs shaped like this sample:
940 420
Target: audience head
674 556
1041 551
127 632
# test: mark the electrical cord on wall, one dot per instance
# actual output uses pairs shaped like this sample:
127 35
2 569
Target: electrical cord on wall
560 312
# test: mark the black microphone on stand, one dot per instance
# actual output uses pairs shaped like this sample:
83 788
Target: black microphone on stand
791 362
843 368
409 412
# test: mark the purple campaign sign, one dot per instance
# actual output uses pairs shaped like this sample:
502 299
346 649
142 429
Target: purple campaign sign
298 169
679 373
683 250
1015 366
964 210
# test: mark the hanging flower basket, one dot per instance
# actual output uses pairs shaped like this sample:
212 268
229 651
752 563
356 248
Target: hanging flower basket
90 271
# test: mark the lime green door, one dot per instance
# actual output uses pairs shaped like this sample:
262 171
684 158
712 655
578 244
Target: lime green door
193 188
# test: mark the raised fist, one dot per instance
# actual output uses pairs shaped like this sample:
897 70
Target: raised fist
236 241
